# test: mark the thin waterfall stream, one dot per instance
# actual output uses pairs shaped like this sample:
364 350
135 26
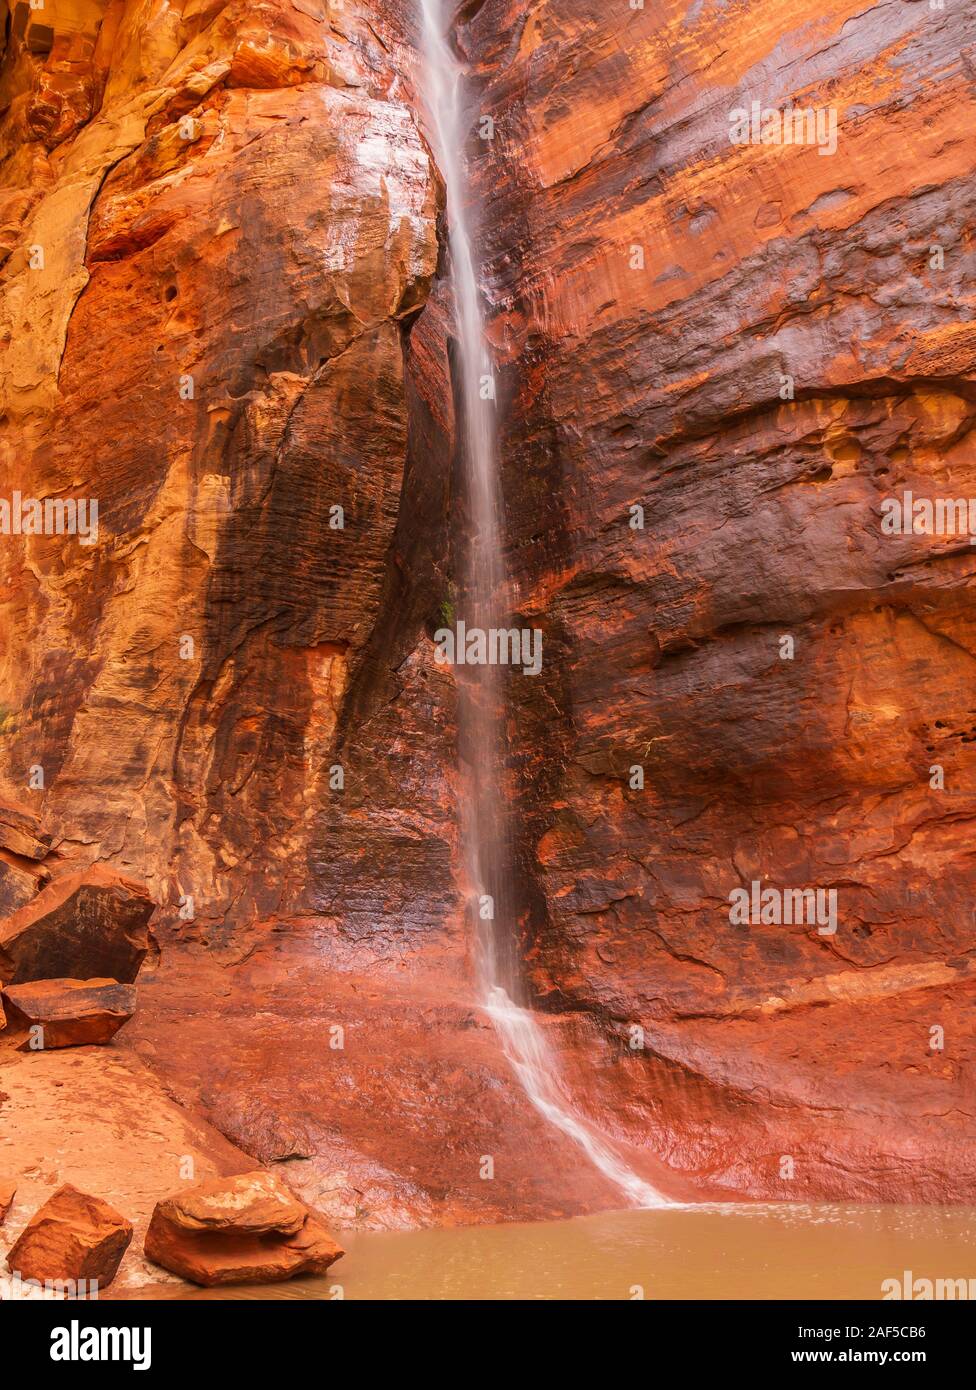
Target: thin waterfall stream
485 605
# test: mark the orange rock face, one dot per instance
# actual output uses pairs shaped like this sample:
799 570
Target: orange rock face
216 350
231 694
246 1229
8 1190
20 833
72 1236
20 880
71 1013
756 344
221 319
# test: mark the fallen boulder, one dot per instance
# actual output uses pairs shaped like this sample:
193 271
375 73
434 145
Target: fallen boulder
20 831
83 925
72 1013
248 1203
240 1230
7 1190
72 1236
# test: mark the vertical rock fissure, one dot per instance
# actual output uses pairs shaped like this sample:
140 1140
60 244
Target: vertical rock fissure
485 608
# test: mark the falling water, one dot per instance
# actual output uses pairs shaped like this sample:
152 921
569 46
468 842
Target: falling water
486 603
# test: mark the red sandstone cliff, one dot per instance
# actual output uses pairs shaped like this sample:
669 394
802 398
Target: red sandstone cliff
663 386
239 325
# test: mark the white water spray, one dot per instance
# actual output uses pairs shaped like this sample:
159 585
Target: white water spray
485 604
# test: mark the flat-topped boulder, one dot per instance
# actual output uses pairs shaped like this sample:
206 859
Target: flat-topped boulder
247 1203
93 923
20 832
72 1236
71 1013
240 1230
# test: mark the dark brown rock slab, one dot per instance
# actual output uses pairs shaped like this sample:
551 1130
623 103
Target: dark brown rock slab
88 924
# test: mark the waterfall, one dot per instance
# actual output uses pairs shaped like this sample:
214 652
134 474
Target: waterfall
485 603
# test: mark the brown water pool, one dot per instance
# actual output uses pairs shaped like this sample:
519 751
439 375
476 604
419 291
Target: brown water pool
715 1252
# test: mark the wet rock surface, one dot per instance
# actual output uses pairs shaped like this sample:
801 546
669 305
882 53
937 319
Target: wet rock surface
756 344
274 1082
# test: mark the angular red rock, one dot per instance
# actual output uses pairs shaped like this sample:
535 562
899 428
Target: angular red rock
240 1230
72 1013
72 1236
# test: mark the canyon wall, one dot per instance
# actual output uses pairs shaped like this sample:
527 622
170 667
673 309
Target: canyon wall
237 220
756 344
225 310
